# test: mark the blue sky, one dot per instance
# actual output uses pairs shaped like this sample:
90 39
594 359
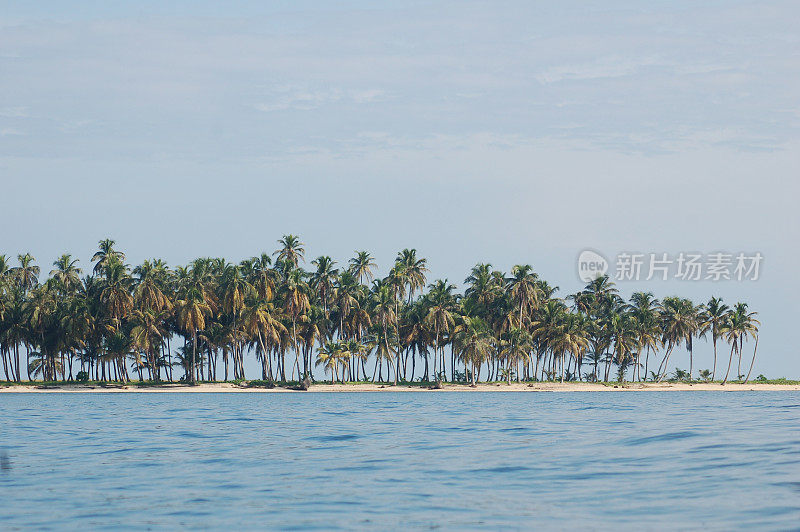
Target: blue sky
474 131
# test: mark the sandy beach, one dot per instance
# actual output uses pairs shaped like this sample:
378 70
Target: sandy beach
376 387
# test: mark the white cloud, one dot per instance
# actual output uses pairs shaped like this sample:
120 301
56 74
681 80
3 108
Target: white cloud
301 100
14 112
304 99
604 67
367 96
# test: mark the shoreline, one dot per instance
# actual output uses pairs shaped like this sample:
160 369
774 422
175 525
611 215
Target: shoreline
227 387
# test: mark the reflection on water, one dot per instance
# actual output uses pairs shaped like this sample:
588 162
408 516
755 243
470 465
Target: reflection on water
5 461
401 460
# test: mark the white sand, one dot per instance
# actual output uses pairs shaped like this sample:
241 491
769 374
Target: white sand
483 387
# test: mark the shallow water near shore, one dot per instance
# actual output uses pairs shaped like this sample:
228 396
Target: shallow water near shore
697 459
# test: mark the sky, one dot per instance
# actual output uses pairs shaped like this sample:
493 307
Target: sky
501 132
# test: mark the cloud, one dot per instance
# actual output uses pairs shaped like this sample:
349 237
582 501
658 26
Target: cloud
14 112
367 96
604 67
303 99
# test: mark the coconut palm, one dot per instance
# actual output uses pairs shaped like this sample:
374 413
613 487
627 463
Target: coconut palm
414 270
515 346
715 315
147 336
329 356
291 252
441 304
680 320
192 310
362 265
644 309
570 337
67 273
116 319
105 254
472 343
262 322
296 306
523 290
383 311
740 325
324 278
27 273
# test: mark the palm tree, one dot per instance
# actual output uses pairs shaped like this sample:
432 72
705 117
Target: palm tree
115 294
27 273
751 326
291 252
514 347
414 270
441 304
192 312
503 324
523 290
598 300
623 327
328 357
472 343
323 279
39 311
296 305
105 254
362 265
151 286
383 310
261 276
715 315
147 336
680 322
261 321
67 273
740 324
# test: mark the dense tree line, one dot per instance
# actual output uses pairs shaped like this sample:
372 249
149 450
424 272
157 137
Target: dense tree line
203 320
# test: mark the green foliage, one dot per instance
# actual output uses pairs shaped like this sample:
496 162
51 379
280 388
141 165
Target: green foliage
680 375
201 322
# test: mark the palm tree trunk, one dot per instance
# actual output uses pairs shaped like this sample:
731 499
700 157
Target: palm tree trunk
739 352
730 361
752 361
169 357
194 354
436 355
665 363
714 368
296 354
5 365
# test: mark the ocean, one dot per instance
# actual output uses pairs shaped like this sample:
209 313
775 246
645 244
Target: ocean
387 460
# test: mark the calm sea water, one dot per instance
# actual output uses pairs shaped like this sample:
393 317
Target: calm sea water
401 460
